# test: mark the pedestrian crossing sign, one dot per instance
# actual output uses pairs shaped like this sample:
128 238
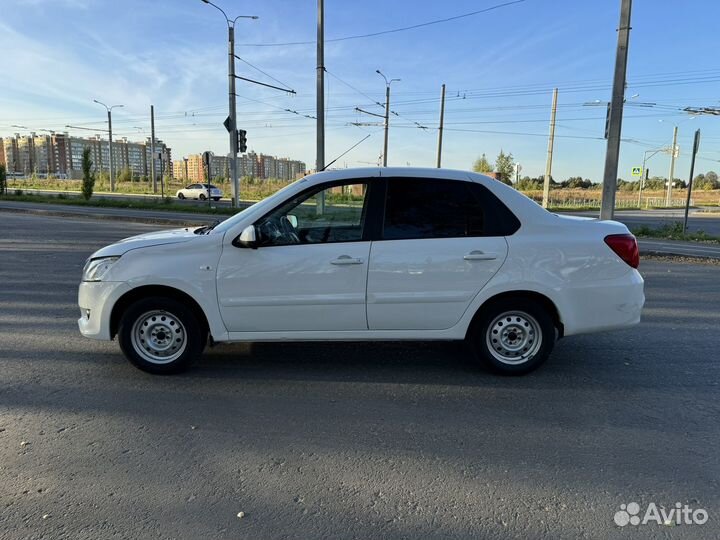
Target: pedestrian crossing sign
637 171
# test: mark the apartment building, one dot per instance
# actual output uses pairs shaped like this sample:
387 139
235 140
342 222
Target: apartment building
61 154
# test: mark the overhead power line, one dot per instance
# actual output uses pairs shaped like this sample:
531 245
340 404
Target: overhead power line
391 31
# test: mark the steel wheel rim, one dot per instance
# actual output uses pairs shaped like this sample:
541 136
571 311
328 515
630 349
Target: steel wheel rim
514 337
159 337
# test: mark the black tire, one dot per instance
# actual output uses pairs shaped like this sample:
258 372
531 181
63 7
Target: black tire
216 199
202 197
167 313
181 196
521 332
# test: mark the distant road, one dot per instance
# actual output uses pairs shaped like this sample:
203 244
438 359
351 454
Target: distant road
224 203
697 220
179 219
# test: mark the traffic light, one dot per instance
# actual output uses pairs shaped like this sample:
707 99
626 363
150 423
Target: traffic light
242 140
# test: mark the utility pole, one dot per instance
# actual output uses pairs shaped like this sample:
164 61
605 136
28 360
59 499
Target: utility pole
231 121
152 148
643 180
387 113
387 124
109 113
233 118
440 130
673 152
320 89
551 142
612 155
696 145
112 178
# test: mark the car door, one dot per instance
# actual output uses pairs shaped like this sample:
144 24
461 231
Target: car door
440 243
309 271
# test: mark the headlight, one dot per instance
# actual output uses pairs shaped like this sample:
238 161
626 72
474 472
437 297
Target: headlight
95 269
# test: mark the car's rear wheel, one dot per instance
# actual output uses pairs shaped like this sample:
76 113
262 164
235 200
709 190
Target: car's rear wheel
160 335
181 196
513 336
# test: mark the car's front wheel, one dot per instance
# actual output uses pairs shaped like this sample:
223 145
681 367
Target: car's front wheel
203 197
181 196
160 335
513 336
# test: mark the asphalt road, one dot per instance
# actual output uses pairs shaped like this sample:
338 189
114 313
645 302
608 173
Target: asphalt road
698 220
175 219
347 440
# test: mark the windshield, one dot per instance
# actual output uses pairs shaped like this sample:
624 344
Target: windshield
278 195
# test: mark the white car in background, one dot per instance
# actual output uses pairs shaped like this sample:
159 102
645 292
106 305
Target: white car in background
366 255
200 192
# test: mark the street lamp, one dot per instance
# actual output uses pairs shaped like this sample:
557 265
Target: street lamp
645 160
231 122
387 112
109 113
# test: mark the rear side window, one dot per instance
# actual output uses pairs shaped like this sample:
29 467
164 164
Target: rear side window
435 208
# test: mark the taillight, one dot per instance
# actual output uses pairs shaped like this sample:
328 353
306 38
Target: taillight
625 246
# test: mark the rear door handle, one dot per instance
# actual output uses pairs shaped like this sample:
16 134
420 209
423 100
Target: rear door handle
477 255
346 259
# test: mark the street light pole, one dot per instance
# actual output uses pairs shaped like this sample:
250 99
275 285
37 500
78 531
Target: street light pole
387 113
110 157
320 90
232 117
673 152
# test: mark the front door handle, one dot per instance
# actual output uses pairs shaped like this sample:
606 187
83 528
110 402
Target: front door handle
346 259
477 255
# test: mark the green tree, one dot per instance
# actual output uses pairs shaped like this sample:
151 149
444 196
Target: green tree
505 167
707 181
88 181
528 184
482 165
3 179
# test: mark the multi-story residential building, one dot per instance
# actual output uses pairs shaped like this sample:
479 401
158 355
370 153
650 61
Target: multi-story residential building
61 154
268 166
196 170
10 154
219 167
180 170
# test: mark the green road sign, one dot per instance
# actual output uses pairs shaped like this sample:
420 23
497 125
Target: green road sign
637 171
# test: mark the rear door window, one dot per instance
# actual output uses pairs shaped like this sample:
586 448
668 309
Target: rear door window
437 208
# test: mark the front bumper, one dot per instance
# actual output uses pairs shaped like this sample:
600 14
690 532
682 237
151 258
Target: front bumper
96 300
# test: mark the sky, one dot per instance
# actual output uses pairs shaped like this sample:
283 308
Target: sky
499 68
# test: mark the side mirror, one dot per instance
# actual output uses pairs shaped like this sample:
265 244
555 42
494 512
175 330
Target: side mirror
293 220
247 238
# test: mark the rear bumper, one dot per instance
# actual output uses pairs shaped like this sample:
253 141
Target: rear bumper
96 300
604 306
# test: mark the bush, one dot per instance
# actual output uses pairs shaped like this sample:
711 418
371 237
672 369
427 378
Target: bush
88 181
3 179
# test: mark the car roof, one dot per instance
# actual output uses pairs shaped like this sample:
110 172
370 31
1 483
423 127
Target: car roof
422 172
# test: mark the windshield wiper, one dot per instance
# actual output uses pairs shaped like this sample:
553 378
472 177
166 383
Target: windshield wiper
205 229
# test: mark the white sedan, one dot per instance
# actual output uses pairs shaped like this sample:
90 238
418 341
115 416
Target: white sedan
200 192
364 255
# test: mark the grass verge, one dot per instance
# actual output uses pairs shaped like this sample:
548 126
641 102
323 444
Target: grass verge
675 231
